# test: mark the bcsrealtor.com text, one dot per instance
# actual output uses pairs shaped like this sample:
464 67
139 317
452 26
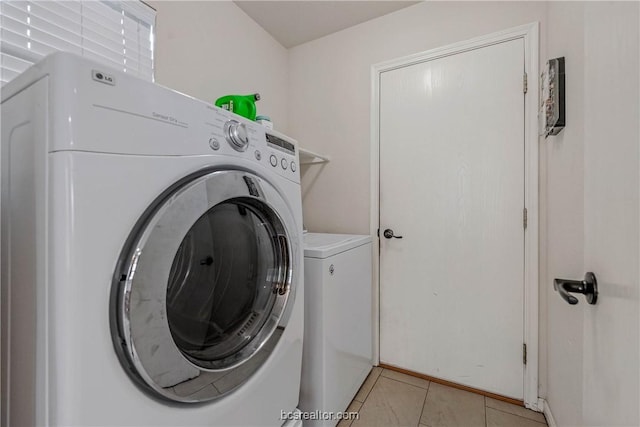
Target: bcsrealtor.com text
318 415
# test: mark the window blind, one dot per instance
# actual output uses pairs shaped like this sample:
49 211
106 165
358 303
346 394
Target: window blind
116 33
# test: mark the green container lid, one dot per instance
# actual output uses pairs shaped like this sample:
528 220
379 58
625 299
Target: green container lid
243 105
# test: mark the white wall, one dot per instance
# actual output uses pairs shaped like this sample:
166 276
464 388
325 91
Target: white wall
330 87
592 189
611 345
208 49
562 190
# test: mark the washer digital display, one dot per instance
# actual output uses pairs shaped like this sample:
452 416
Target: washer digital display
281 143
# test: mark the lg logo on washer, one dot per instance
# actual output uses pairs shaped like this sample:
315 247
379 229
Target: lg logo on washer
102 77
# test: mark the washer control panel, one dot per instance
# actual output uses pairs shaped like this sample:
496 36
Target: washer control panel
283 151
229 134
236 135
214 144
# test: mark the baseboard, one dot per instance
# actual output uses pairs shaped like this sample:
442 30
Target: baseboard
452 384
551 422
538 406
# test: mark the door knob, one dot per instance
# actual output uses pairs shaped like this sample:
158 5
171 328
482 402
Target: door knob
388 233
588 287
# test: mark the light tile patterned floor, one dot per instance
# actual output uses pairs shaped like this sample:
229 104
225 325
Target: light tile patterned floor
389 398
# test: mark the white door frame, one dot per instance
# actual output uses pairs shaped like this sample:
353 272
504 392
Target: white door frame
529 34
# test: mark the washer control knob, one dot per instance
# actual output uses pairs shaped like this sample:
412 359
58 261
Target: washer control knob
258 155
293 166
273 161
214 144
236 135
284 163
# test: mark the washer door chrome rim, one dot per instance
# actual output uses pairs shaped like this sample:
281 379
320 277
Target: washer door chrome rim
233 309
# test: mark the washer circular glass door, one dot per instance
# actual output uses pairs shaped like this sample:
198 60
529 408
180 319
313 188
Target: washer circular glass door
203 285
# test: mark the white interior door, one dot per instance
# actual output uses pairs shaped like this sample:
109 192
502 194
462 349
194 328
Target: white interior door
452 185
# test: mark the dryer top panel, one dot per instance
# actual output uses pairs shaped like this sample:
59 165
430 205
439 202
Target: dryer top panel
322 245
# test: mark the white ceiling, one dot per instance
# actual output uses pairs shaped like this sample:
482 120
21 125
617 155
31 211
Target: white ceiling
295 22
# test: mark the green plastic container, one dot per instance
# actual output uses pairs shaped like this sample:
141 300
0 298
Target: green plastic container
243 105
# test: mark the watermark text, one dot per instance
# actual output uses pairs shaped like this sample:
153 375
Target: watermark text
318 415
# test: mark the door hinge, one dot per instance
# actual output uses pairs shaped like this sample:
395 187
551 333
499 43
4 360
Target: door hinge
525 219
525 83
524 353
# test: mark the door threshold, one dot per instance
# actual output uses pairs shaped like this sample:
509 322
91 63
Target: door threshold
454 385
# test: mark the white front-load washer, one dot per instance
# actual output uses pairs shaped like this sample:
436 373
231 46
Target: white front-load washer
151 256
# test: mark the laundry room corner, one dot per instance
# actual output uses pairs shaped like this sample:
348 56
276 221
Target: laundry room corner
332 115
207 49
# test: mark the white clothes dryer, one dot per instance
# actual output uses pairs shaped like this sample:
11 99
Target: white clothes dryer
338 351
139 219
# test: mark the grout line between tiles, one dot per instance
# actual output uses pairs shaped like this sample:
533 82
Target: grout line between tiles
350 422
516 415
424 403
486 423
358 411
369 392
402 382
373 385
405 382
